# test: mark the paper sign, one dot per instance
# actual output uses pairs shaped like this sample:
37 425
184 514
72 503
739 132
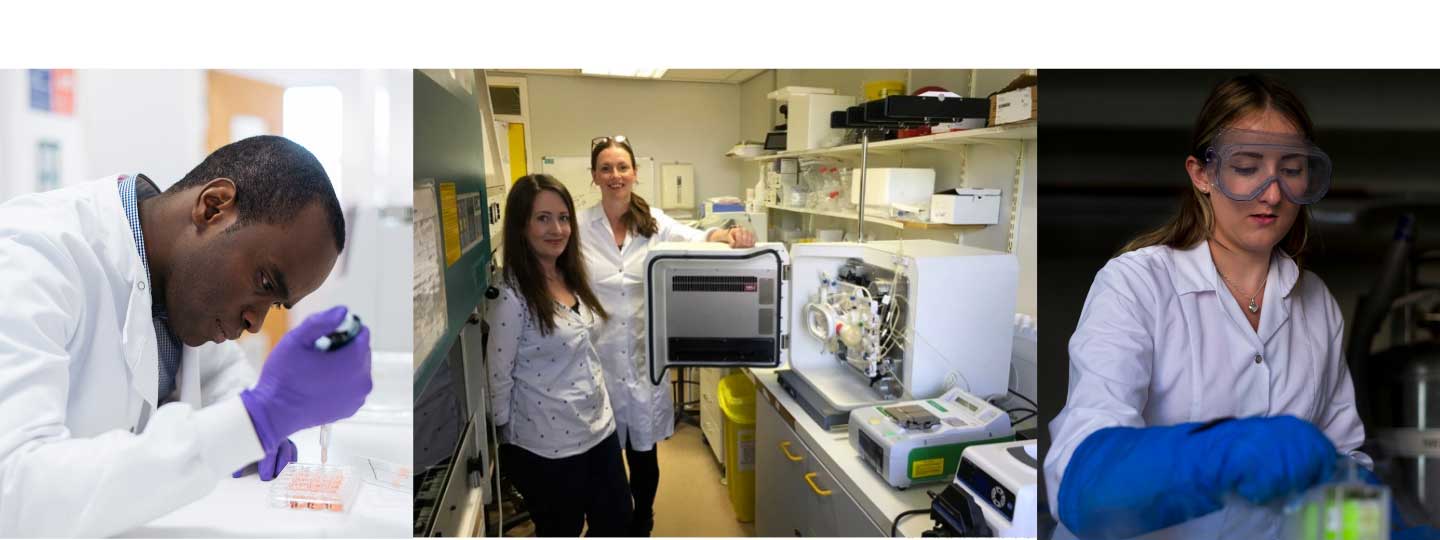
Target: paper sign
450 222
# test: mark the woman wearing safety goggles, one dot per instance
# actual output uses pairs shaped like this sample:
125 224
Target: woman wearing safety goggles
1243 164
1208 384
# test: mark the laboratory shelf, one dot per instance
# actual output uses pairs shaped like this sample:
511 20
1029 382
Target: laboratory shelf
940 141
869 218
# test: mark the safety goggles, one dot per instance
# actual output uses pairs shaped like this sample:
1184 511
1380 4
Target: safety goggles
1243 163
618 139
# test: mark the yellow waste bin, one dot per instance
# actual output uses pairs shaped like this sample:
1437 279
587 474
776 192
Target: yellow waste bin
737 401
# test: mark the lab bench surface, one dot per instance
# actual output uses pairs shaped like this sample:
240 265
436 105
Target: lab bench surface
241 506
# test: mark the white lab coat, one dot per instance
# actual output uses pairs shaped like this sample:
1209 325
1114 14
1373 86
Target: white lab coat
644 412
1161 341
83 449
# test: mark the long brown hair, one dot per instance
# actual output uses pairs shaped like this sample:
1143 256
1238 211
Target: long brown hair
522 266
637 218
1229 101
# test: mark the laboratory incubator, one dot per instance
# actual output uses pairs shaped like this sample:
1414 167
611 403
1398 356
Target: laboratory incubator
859 324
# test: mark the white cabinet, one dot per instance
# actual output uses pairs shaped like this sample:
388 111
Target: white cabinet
779 502
795 494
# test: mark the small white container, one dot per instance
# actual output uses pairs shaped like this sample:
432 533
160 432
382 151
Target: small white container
887 186
809 121
966 207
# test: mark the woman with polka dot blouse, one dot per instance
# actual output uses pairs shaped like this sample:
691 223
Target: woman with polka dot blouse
547 392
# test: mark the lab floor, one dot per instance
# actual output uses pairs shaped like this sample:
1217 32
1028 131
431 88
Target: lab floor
691 500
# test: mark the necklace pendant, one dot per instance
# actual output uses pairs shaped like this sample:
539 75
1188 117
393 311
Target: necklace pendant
1253 308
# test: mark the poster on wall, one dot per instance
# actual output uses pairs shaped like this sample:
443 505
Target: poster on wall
47 165
53 91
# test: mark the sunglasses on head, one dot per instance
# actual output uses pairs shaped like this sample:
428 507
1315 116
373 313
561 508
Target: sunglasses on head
618 139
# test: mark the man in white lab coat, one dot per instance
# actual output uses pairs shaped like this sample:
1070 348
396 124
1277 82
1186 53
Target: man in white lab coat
120 397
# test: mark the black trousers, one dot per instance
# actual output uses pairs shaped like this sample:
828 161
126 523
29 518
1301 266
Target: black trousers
644 482
563 494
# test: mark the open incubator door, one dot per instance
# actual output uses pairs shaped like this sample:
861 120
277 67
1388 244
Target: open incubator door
709 305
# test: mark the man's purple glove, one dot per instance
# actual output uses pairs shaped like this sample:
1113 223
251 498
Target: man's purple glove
273 462
302 387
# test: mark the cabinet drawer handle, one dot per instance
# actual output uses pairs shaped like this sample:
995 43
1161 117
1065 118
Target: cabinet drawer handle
810 479
785 447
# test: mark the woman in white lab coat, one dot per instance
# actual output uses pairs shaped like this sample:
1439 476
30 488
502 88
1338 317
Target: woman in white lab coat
616 236
547 393
1206 372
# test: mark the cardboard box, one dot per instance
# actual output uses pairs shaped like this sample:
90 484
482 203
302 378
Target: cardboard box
1015 106
966 207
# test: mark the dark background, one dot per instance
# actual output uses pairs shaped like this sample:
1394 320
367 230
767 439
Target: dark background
1113 151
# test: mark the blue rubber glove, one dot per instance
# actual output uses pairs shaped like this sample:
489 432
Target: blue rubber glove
1124 482
1423 532
273 463
302 387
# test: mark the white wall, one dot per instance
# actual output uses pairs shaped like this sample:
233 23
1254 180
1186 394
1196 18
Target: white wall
154 121
368 182
362 182
150 122
1027 244
992 80
757 117
954 80
669 121
21 130
755 110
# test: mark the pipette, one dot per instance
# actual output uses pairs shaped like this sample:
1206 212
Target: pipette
343 334
324 444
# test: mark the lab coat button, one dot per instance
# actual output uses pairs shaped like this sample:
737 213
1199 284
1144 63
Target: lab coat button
1257 359
140 285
